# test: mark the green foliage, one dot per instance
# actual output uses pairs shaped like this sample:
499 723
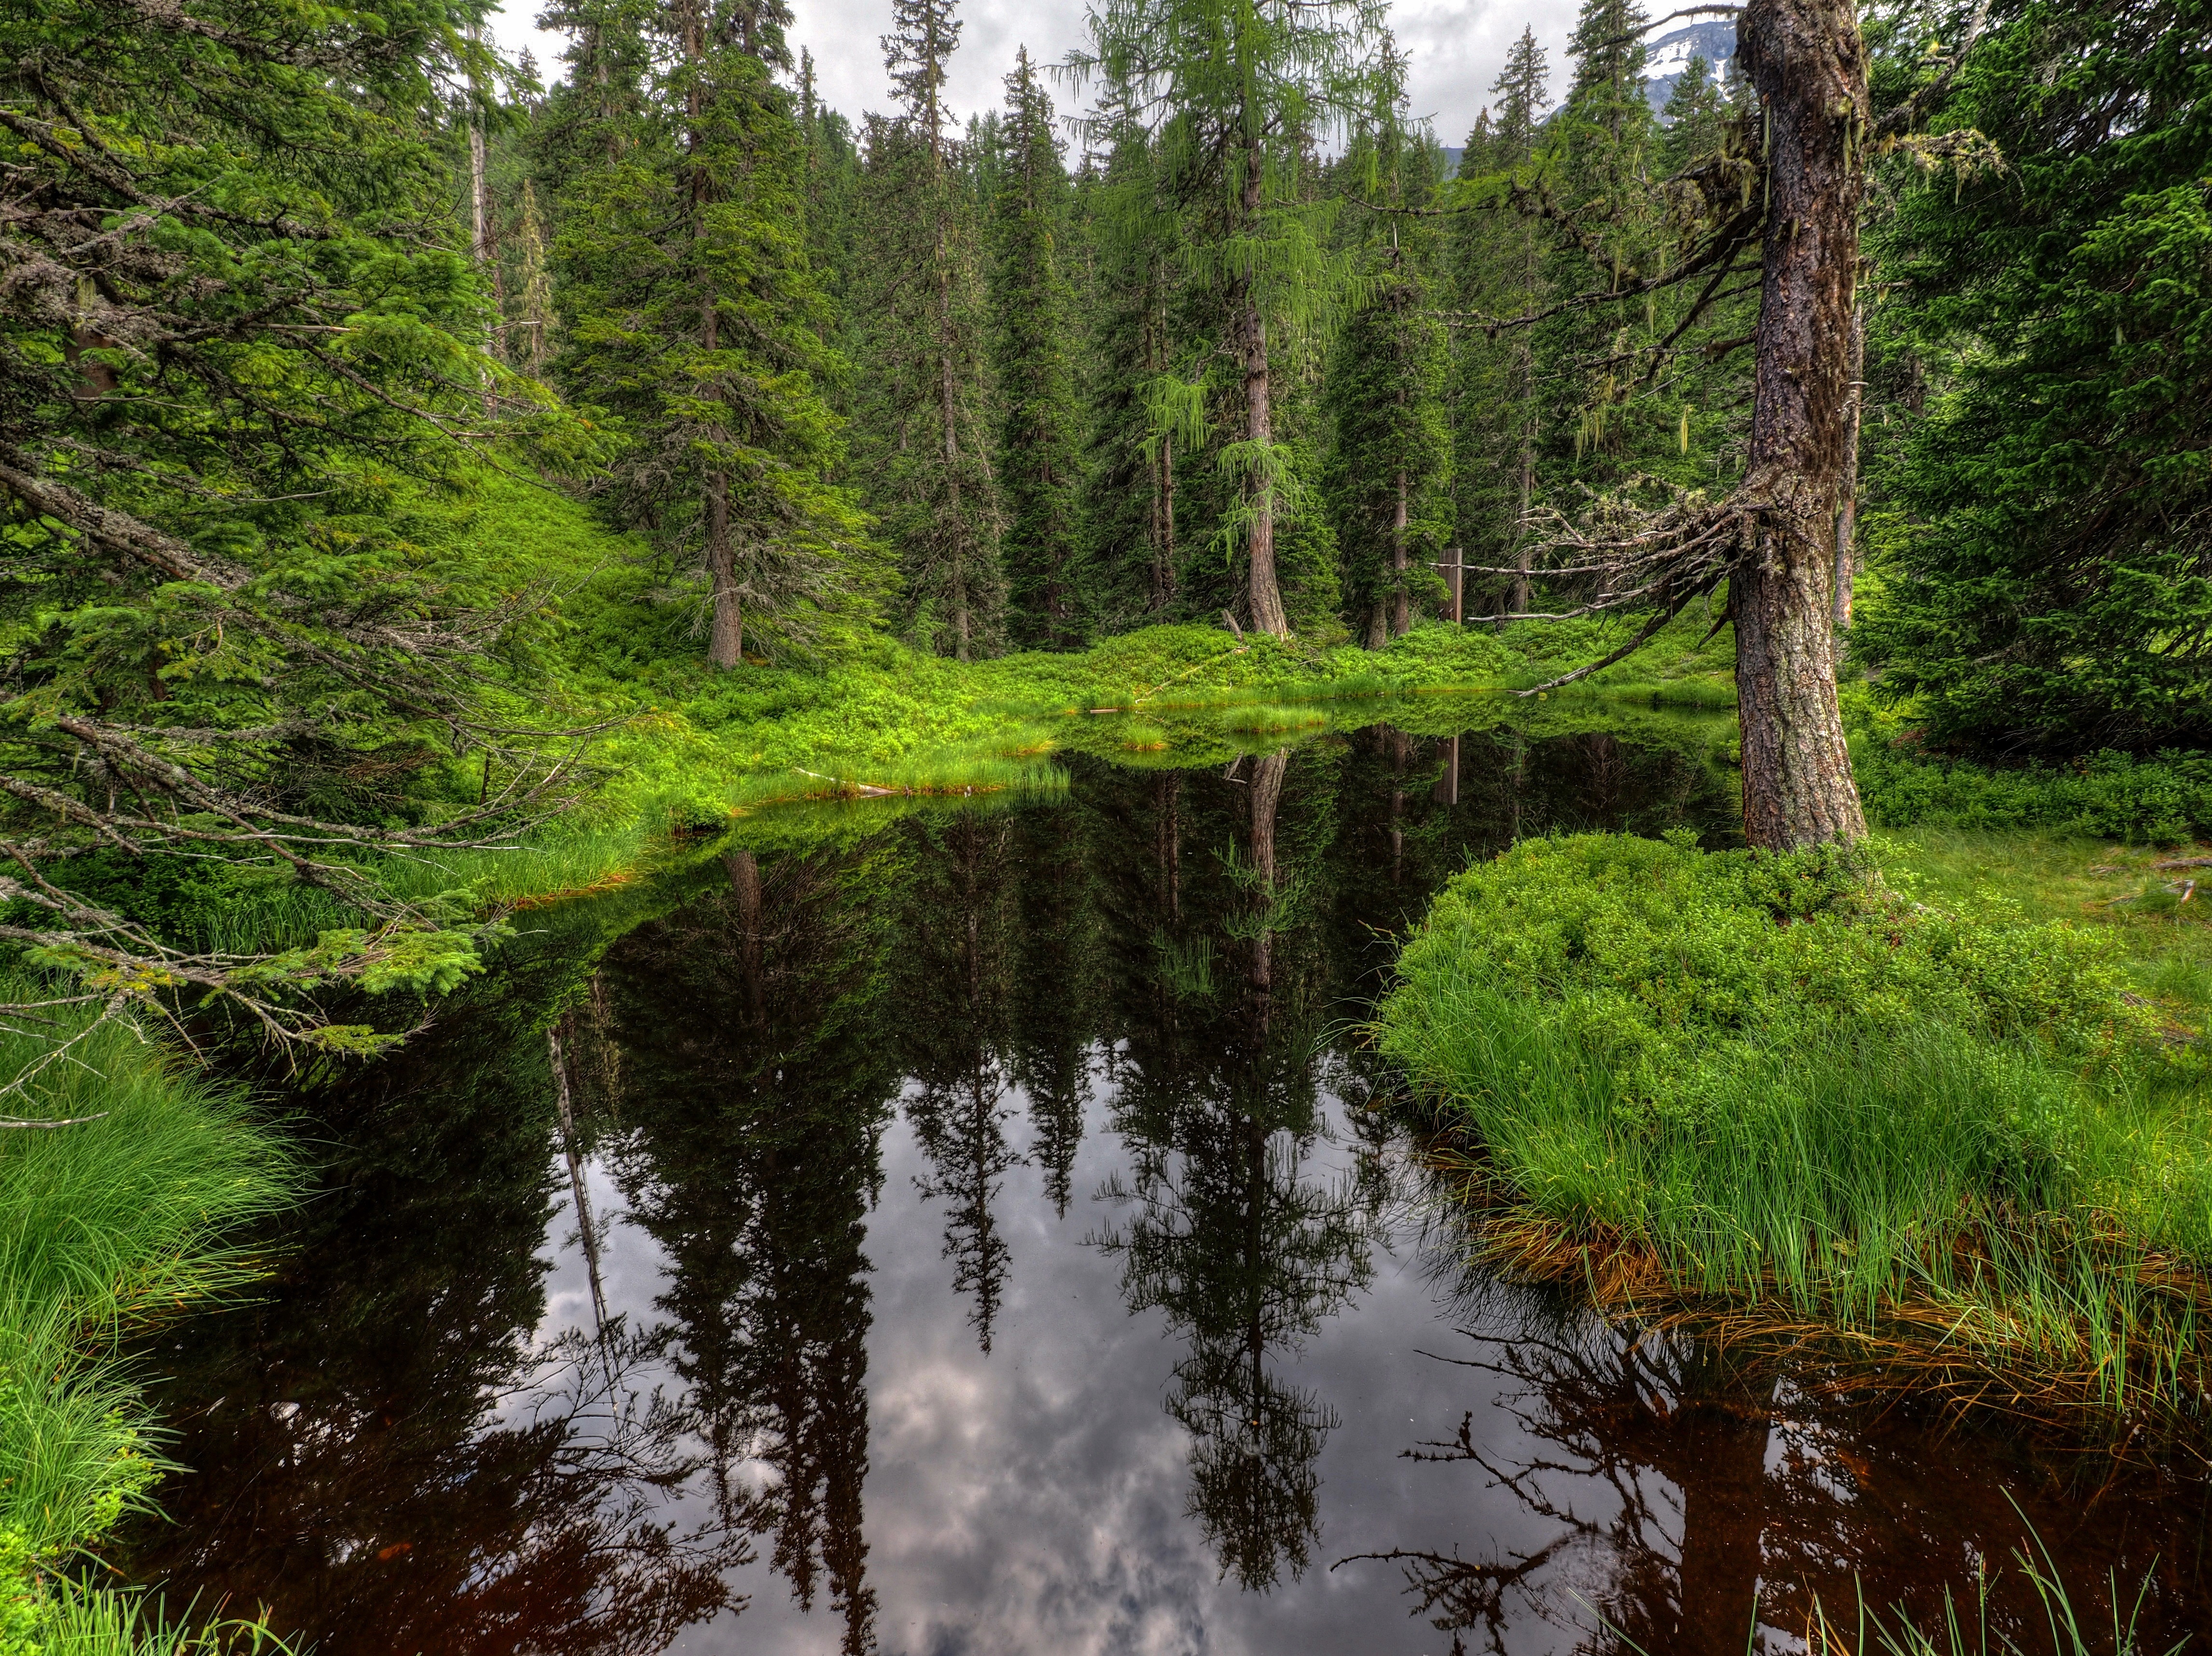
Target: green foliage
1786 1088
694 317
2165 799
2046 491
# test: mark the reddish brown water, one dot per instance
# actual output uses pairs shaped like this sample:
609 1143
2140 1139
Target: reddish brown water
992 1248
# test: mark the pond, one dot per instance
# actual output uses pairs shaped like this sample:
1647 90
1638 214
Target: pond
925 1230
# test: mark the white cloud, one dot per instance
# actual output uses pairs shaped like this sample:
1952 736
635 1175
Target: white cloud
1456 48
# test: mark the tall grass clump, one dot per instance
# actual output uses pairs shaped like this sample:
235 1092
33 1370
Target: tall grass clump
1766 1088
128 1214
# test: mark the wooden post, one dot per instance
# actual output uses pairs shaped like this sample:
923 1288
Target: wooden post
1455 575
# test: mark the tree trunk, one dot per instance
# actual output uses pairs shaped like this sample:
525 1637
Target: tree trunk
1266 598
727 646
1807 61
1164 565
1847 510
1401 600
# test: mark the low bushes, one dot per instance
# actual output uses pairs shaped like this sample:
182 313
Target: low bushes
1767 1084
2167 800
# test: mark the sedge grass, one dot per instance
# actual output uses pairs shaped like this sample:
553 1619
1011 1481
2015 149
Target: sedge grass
1952 1142
1935 1193
106 1224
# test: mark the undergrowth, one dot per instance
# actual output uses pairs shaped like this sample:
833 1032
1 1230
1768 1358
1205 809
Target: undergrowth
1771 1089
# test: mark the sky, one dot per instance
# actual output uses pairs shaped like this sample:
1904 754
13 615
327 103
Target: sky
1456 48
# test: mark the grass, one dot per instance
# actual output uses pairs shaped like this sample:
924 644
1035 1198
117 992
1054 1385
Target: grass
1730 1089
104 1225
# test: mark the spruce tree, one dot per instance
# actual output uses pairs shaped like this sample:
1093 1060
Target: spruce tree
927 458
1129 498
1390 464
1240 92
1036 381
692 315
1499 268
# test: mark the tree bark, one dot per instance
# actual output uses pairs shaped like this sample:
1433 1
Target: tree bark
1847 508
1401 600
1266 598
1807 61
727 646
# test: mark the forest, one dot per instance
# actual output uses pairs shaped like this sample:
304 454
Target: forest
441 490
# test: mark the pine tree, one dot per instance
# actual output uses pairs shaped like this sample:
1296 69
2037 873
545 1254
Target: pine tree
692 315
928 454
1246 89
1036 381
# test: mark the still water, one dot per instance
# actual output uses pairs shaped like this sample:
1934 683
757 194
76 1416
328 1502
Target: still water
982 1231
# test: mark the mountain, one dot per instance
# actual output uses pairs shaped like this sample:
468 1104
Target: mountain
1670 54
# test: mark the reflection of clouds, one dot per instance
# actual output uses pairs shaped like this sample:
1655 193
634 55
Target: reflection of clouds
1035 1500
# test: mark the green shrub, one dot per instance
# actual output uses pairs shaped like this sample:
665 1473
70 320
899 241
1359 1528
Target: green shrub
1679 967
2162 801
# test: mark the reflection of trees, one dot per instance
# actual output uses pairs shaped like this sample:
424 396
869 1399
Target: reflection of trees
380 1456
755 1076
1677 1481
955 958
1054 990
1245 1252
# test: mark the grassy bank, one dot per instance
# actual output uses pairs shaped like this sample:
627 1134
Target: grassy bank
1765 1092
124 1216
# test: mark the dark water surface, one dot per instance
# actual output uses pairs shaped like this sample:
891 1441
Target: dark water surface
992 1238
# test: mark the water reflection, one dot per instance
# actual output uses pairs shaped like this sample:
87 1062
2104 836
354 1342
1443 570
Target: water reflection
967 1232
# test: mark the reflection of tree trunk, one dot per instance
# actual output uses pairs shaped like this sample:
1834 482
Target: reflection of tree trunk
1724 1507
1267 795
1397 744
1446 792
565 1101
745 882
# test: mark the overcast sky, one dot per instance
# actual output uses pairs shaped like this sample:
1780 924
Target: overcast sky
1456 48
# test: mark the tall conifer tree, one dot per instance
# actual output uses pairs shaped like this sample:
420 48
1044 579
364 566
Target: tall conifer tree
693 314
1498 268
1244 88
1129 514
1036 381
929 436
1390 468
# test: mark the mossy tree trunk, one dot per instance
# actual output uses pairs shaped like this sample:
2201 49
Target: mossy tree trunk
1807 60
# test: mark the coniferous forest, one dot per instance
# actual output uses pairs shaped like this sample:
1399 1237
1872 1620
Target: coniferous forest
1650 659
